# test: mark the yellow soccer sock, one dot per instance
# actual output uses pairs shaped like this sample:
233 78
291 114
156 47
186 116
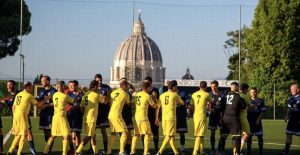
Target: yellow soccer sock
146 144
172 140
123 140
196 146
14 144
165 142
201 145
48 145
133 144
21 144
80 147
65 146
95 149
111 142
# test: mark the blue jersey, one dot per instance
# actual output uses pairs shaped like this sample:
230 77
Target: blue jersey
74 109
42 94
216 108
258 106
294 106
104 89
10 101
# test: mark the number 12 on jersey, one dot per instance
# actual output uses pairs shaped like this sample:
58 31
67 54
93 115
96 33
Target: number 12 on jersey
229 99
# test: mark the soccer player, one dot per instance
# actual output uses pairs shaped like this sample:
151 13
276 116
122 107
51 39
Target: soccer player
102 120
89 105
214 114
199 102
7 101
142 124
74 114
243 114
151 113
181 123
12 90
255 113
292 117
21 108
47 112
127 116
167 101
60 125
118 98
232 104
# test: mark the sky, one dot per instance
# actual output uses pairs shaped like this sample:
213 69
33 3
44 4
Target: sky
75 39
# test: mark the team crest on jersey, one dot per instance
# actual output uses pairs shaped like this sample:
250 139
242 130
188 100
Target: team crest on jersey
295 105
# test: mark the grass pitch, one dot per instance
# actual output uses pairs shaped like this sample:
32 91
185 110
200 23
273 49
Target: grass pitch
274 139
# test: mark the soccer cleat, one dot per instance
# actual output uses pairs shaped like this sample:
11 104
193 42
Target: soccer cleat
212 152
33 151
90 151
158 153
71 151
124 153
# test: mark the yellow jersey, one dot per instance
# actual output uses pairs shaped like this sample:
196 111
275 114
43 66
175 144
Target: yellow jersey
23 102
167 101
142 101
60 101
90 101
243 112
118 98
199 100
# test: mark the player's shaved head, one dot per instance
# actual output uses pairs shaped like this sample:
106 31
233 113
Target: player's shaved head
45 81
60 86
145 85
28 87
295 89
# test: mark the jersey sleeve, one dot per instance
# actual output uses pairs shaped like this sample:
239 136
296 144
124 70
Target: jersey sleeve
179 100
223 103
209 98
192 100
84 99
159 102
242 103
127 99
289 103
32 100
151 102
262 106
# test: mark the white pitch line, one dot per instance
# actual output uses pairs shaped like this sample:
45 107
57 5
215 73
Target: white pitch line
191 138
6 137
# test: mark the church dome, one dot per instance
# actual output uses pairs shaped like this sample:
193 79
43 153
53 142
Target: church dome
138 46
187 75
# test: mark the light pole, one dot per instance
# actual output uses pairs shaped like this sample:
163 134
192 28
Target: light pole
21 55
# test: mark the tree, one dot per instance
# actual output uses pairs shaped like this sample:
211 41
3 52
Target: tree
273 48
10 26
231 49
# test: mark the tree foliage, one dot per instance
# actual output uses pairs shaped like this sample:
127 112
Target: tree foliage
231 48
10 26
272 49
